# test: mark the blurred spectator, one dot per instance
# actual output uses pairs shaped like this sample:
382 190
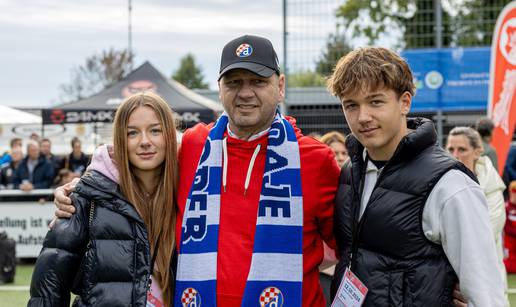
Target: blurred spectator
16 142
76 161
46 150
63 177
465 144
34 136
485 128
337 142
510 230
315 135
34 171
6 156
509 172
7 172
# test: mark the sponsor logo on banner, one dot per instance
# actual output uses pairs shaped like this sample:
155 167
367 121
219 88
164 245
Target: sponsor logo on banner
139 86
502 85
57 116
190 116
191 298
434 79
89 116
271 297
26 130
60 116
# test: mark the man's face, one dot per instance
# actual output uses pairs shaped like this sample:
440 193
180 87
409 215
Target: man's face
250 100
77 148
17 143
45 148
33 151
377 119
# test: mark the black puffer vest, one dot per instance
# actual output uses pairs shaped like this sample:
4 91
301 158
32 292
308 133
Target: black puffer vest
394 259
106 263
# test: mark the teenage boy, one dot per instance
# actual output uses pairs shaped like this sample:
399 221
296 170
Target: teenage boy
410 221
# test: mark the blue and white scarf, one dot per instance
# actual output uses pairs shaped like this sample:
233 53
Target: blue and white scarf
276 273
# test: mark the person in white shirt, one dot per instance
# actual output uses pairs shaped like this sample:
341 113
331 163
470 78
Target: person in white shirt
410 220
466 145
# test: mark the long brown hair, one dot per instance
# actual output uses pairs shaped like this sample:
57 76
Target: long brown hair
159 210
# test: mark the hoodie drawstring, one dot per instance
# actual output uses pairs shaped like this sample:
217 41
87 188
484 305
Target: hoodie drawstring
225 159
249 169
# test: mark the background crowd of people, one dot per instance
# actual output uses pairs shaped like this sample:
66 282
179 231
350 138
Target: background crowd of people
40 168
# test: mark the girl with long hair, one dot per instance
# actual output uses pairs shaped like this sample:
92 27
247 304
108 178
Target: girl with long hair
117 250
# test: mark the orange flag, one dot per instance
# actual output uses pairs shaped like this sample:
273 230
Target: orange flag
502 85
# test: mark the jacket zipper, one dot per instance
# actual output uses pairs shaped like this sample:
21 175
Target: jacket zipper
362 218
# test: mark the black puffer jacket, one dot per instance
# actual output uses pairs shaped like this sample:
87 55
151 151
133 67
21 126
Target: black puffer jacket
107 264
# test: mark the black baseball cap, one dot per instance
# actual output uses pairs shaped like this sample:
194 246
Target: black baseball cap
253 53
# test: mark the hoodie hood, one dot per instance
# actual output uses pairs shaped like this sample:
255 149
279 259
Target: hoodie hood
488 176
292 121
101 162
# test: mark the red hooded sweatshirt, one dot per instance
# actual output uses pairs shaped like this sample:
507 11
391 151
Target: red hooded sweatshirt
239 208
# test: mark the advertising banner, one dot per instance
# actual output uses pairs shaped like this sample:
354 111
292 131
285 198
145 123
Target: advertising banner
26 223
449 79
79 116
502 85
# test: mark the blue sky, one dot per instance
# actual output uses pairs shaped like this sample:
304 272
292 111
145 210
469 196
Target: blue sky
42 40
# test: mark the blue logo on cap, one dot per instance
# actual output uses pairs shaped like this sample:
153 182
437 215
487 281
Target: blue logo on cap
244 50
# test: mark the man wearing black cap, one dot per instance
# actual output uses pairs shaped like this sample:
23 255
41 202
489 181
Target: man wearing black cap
255 196
276 192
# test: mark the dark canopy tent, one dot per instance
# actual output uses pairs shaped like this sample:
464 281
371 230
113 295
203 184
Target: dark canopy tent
191 107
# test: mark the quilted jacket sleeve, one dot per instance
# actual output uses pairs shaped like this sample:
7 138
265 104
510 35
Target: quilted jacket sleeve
60 258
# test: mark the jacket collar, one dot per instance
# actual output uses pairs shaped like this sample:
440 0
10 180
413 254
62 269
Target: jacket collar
98 187
421 135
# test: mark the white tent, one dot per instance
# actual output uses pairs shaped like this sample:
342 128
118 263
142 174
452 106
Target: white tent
10 116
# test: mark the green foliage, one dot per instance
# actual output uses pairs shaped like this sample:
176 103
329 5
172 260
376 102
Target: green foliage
189 74
305 79
98 72
464 23
372 19
336 47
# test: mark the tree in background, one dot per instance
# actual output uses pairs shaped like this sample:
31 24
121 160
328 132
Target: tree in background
305 79
100 71
189 74
371 21
411 23
336 47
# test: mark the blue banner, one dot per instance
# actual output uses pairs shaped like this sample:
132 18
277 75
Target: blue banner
450 79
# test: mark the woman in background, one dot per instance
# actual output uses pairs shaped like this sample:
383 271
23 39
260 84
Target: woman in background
77 161
465 144
337 142
117 250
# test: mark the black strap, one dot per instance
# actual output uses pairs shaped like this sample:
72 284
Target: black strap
355 216
155 254
153 260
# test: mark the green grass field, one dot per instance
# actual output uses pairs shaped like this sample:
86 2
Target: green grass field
19 297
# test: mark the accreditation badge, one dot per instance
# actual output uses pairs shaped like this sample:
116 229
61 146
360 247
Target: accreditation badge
351 293
152 301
